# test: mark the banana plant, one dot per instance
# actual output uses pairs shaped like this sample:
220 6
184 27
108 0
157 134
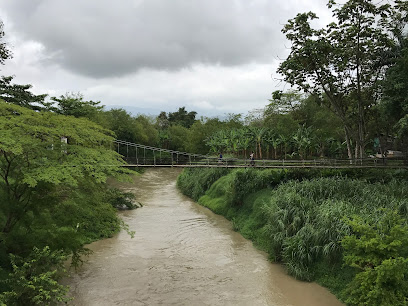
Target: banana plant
274 140
258 134
303 140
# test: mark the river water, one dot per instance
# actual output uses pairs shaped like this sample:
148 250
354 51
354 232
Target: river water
183 254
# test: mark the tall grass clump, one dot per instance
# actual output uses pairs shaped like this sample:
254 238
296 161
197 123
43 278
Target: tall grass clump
247 181
306 220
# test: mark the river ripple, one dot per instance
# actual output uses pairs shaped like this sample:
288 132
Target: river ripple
183 254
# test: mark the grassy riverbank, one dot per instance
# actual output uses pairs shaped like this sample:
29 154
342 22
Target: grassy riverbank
301 217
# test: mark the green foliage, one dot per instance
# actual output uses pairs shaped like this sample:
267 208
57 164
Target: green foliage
283 103
302 130
199 132
20 94
182 118
177 137
73 104
251 180
5 53
302 222
395 89
343 62
119 199
34 280
138 129
54 198
195 182
34 161
248 218
379 249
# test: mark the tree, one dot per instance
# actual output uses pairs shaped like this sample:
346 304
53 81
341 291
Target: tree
162 121
284 102
73 104
140 129
5 53
182 117
178 135
121 123
258 134
34 160
328 130
54 198
343 62
303 140
145 130
394 106
20 95
273 140
199 132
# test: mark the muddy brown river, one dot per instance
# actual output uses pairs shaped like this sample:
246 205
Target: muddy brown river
183 254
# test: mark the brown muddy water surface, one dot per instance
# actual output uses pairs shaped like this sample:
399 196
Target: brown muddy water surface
183 254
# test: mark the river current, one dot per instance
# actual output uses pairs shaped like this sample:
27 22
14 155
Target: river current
183 254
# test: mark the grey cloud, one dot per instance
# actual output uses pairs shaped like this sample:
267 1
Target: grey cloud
104 38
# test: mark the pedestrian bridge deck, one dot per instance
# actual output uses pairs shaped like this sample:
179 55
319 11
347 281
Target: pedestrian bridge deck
137 155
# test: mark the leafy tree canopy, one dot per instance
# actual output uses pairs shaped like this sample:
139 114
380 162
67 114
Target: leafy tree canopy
395 99
34 157
5 53
343 62
21 95
73 104
284 102
182 117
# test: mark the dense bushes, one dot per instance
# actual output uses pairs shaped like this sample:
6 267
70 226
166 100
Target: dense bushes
379 250
303 222
33 280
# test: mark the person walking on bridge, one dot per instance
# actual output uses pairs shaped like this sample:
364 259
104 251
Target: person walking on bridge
252 158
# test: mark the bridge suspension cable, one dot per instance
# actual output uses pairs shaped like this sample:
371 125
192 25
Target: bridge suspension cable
138 155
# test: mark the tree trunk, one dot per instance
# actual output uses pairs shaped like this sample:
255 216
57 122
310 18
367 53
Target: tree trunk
349 152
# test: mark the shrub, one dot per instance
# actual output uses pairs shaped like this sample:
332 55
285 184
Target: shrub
379 250
34 280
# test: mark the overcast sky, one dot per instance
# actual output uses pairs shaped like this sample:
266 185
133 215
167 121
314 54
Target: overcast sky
212 56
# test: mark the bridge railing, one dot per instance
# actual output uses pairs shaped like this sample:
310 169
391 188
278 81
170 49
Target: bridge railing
147 156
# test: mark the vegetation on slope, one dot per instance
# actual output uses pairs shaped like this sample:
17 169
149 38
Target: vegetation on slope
312 224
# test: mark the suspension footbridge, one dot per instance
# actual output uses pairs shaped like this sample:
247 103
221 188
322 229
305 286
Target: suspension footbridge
138 155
